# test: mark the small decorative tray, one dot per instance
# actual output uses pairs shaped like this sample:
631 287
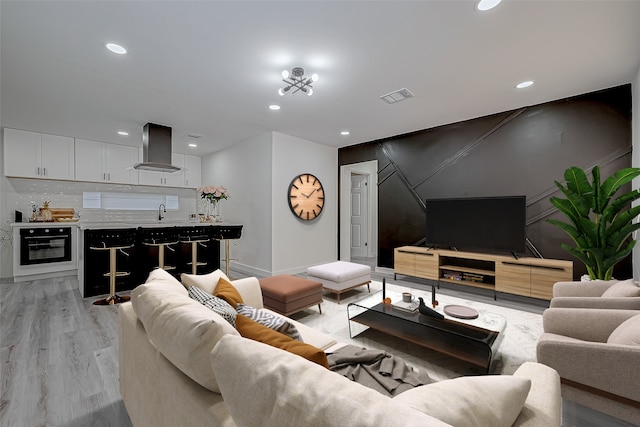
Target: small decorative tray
67 219
460 311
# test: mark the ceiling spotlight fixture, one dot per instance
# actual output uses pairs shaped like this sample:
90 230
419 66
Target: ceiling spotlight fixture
345 133
123 133
487 4
274 107
192 145
524 84
297 81
116 48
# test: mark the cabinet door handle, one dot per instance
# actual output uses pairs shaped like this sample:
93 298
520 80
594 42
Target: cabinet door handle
44 171
109 176
104 176
38 171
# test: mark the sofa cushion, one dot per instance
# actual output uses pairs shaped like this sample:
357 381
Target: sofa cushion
628 333
253 330
182 329
270 320
225 290
206 282
286 390
625 288
471 401
214 303
160 277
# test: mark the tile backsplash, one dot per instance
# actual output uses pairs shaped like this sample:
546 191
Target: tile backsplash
21 193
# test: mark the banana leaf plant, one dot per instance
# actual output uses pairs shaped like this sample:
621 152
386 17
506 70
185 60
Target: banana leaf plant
599 224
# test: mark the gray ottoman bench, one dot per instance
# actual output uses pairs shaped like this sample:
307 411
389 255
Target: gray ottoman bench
340 276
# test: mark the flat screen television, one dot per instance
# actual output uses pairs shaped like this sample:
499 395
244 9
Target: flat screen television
489 224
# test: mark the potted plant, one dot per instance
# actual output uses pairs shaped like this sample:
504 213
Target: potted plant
599 224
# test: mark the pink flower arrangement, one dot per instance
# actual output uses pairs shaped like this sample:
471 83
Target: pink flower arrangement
213 193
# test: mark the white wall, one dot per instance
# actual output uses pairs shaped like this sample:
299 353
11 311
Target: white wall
299 244
257 174
245 170
635 159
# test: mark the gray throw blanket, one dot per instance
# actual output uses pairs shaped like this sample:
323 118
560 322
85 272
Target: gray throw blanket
376 369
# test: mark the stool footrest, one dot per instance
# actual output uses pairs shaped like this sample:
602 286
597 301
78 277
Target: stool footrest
199 263
167 267
118 274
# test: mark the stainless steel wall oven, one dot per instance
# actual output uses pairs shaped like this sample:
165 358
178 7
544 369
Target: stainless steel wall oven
41 245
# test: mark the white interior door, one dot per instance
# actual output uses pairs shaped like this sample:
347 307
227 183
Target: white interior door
359 215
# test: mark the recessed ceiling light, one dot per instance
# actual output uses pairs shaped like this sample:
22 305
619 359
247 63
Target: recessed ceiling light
274 107
487 4
116 48
193 145
123 133
345 133
522 85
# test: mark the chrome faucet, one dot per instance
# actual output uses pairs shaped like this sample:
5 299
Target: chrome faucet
164 209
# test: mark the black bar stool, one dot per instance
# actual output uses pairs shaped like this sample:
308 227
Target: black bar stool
161 244
113 246
227 233
194 241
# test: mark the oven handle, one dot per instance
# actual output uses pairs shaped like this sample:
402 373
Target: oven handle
46 237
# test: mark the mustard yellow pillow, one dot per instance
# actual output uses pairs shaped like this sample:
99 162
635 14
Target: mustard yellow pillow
251 329
225 290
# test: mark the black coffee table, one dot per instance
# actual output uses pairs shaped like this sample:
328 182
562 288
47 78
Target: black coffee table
475 341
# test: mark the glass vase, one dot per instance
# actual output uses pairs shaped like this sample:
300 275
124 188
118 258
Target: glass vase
215 211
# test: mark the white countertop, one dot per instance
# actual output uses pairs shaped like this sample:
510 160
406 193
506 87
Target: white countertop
87 225
42 224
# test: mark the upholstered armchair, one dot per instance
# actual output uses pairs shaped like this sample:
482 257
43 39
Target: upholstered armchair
597 354
610 294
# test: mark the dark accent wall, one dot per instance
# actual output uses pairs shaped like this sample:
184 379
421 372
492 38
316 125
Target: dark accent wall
518 152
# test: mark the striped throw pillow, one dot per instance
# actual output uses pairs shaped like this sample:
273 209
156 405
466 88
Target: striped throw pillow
214 303
270 320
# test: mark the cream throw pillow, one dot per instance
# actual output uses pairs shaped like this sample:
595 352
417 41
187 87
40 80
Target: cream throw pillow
206 282
625 288
492 400
628 333
268 387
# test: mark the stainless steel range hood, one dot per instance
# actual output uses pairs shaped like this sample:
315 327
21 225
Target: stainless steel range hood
156 149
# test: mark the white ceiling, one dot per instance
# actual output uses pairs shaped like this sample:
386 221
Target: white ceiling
213 67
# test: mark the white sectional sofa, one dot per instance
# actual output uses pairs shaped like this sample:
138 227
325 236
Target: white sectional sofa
181 364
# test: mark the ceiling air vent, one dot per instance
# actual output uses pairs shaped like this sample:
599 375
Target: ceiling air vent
397 96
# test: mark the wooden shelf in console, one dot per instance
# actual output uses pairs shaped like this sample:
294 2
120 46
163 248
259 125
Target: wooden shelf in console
532 277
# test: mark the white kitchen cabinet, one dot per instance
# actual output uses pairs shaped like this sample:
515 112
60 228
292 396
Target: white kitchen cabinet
36 155
165 179
103 162
192 171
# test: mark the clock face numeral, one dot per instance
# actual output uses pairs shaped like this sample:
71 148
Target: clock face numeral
306 196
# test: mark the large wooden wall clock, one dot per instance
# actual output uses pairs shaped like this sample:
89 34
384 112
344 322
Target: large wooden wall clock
306 196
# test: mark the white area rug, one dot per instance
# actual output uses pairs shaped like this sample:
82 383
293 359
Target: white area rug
517 347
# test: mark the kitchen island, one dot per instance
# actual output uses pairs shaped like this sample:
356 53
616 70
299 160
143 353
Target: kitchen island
145 241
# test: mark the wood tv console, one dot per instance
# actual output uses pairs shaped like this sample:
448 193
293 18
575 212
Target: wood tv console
531 277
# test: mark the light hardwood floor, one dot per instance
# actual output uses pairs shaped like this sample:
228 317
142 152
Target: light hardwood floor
59 355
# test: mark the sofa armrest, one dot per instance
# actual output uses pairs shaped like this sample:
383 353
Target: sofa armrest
594 288
614 303
250 291
584 323
607 367
543 407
